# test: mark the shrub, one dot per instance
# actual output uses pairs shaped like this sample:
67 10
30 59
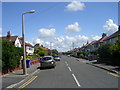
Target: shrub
10 55
85 53
115 50
40 51
110 53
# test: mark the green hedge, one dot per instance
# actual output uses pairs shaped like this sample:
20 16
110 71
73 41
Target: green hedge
110 53
10 55
84 53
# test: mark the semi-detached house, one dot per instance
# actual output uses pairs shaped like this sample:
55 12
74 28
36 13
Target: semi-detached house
17 42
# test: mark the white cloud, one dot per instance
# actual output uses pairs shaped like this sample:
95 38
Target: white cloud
47 33
0 32
110 27
37 41
64 43
75 6
72 28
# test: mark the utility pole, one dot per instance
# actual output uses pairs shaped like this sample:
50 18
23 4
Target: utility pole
51 47
73 45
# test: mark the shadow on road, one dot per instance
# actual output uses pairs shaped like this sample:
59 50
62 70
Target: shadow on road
41 68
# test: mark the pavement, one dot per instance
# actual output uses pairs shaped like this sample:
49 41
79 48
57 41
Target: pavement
110 68
17 77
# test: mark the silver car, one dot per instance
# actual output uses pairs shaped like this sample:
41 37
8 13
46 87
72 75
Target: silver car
47 61
56 58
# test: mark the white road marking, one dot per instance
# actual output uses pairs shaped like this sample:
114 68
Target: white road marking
76 80
66 63
73 75
69 68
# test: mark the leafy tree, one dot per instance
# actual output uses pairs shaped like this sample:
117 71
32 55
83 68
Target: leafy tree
116 46
104 51
54 52
10 55
40 51
110 53
115 50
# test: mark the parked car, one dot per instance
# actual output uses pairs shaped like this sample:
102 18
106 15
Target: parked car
68 55
57 58
47 61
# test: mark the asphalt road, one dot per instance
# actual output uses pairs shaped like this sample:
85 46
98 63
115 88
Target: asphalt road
70 73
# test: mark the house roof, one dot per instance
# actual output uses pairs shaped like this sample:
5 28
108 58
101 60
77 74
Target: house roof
86 45
93 42
26 44
114 35
102 39
11 38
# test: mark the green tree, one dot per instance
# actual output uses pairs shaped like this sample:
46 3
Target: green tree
10 55
41 51
116 46
54 52
104 51
115 50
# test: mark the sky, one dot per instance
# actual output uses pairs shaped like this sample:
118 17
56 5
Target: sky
60 23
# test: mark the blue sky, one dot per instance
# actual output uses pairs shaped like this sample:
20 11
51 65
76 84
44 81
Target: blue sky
86 19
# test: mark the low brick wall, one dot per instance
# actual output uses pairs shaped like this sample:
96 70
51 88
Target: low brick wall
7 71
32 62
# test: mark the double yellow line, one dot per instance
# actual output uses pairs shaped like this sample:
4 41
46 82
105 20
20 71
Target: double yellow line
28 82
116 75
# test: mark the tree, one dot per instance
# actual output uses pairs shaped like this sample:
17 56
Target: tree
116 46
54 52
104 51
40 51
10 55
115 49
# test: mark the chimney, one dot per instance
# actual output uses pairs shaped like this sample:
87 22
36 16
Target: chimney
8 34
87 42
103 35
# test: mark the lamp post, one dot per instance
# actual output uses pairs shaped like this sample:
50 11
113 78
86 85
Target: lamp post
24 51
51 47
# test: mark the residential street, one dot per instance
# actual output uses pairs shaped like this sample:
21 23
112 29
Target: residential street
70 73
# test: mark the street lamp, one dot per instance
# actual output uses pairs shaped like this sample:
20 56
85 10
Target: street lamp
51 47
24 52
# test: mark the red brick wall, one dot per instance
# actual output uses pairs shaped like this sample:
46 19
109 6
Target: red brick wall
18 68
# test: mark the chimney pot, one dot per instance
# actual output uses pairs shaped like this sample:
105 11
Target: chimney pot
8 34
104 34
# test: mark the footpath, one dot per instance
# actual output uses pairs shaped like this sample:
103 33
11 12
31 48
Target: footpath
110 68
12 79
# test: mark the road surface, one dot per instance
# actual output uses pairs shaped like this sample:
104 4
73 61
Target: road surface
71 73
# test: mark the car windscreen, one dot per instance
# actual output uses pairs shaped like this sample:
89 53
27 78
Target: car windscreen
46 58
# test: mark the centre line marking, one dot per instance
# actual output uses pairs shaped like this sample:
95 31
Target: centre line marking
66 63
69 68
76 80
